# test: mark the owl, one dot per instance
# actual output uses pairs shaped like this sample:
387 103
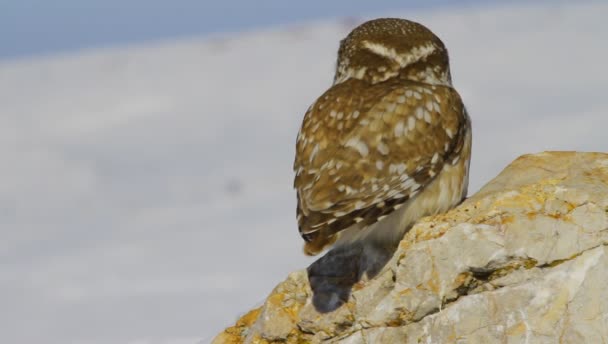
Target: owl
388 143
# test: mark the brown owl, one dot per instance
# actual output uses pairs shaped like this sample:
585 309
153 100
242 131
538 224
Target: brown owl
389 142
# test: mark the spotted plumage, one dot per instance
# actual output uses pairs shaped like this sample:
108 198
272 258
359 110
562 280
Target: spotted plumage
389 140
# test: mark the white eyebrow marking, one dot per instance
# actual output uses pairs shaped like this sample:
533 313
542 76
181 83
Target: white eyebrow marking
415 54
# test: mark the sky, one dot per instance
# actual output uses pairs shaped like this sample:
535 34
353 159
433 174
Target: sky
34 27
146 188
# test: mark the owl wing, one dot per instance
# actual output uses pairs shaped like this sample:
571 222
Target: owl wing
364 150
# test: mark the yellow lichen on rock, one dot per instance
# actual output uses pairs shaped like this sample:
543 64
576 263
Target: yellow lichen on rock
236 333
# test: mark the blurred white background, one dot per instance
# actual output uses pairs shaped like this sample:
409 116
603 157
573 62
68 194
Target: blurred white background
146 192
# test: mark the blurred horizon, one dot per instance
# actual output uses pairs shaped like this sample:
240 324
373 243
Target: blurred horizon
31 28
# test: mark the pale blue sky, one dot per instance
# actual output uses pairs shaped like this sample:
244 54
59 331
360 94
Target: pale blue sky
34 27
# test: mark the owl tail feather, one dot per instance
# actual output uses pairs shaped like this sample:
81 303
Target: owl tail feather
318 243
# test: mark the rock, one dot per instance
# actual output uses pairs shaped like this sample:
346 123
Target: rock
523 261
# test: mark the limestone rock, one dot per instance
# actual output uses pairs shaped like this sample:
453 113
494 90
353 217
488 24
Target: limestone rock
523 261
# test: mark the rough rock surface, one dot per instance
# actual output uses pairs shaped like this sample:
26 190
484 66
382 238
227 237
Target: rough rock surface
523 261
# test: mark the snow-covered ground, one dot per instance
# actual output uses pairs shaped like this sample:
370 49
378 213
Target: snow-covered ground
145 192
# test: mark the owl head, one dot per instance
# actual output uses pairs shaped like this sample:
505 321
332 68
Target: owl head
383 48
